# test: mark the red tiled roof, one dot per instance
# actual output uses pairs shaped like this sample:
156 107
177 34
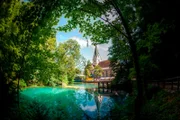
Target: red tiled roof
105 63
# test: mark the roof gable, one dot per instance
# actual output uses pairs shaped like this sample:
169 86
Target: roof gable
105 63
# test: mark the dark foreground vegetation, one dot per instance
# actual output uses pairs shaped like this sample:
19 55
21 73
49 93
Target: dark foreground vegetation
161 105
144 46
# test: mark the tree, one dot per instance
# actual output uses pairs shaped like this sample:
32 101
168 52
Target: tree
22 30
167 50
81 63
88 69
97 72
40 62
67 55
121 58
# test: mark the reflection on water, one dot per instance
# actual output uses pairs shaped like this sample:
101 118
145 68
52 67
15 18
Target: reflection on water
83 103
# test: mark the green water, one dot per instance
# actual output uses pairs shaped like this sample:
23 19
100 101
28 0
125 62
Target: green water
54 103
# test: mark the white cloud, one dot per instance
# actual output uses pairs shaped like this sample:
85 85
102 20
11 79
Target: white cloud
103 50
82 42
88 108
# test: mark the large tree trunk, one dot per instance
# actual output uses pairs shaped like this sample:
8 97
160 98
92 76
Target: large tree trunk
139 98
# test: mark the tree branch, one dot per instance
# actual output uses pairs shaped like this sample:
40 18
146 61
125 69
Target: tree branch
107 22
139 99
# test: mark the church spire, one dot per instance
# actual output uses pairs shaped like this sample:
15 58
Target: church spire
96 56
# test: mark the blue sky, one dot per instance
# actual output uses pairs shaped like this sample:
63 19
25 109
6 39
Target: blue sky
86 51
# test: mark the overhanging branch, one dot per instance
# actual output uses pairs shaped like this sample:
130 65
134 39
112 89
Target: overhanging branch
107 22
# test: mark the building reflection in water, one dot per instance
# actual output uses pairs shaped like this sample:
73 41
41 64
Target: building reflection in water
97 106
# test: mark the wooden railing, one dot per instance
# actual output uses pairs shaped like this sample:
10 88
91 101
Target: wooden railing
103 85
169 84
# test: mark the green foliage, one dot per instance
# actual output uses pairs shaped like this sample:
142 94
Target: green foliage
24 49
22 84
81 63
67 57
88 68
28 47
124 111
97 71
151 37
163 106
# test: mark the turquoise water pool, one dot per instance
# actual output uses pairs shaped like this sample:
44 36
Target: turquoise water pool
69 104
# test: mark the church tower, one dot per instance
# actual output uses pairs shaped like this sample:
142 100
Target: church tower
96 56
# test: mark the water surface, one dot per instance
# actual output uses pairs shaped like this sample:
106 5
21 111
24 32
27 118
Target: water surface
68 103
